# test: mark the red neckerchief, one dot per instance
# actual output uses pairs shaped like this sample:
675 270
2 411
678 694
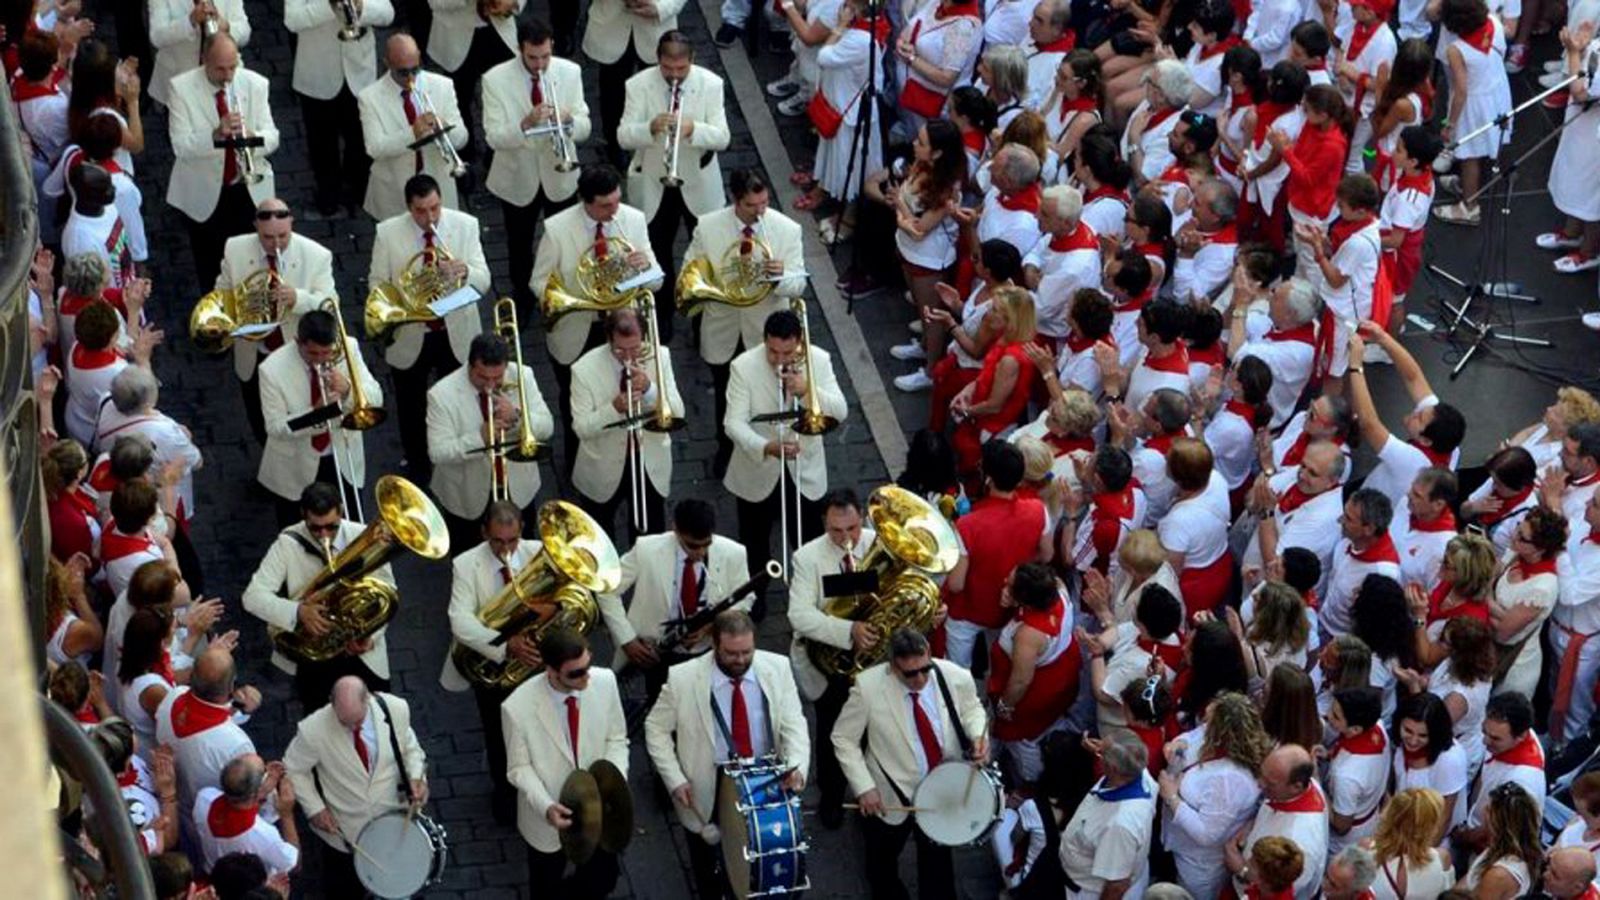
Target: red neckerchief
1025 200
1245 411
1170 654
1211 356
115 545
1045 621
1080 104
1310 597
1239 99
1063 44
1267 112
1370 742
1419 181
1382 550
224 820
1174 363
947 10
191 715
1220 47
974 140
1446 521
1162 443
1480 38
82 502
1466 609
1305 334
1063 444
1435 458
1359 38
1116 507
1134 304
1080 238
1586 480
1105 190
1592 892
1156 118
1175 174
163 667
1227 234
1294 498
1343 229
87 715
1542 567
880 34
84 359
100 478
1525 752
1152 248
1078 344
1508 505
1593 538
129 776
1309 801
23 91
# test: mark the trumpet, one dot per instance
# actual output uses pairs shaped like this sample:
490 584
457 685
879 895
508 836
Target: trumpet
350 31
560 138
526 447
671 179
210 26
247 158
447 150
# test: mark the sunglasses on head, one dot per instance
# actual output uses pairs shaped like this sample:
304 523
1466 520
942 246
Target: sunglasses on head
267 215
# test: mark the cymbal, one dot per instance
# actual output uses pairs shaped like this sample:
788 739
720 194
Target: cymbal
581 795
616 806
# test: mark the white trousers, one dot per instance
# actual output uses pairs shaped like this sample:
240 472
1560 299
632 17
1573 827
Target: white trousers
960 639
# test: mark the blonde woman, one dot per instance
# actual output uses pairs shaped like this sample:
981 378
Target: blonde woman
1038 478
1141 560
1574 406
1209 790
991 405
1410 865
1509 866
1466 585
1278 633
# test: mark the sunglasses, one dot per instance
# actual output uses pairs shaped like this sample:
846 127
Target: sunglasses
575 674
323 529
912 673
1151 685
267 215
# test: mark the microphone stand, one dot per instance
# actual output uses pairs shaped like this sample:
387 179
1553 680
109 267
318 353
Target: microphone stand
860 147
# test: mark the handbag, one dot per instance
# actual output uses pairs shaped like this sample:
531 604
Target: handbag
921 99
823 116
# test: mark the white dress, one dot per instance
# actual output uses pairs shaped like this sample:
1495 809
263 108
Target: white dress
1572 181
144 724
1447 775
1488 94
1540 591
1516 868
1423 882
842 71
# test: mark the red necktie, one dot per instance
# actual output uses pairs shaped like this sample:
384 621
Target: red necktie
499 460
741 723
505 574
572 726
688 589
411 119
538 92
930 741
322 440
361 748
275 339
747 240
230 160
600 248
849 562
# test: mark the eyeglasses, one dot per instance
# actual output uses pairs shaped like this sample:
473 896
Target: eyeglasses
267 215
1151 685
912 673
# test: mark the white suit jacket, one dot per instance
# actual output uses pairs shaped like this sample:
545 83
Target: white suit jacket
603 451
198 167
177 40
522 165
288 461
286 569
461 478
722 326
388 138
652 569
304 265
879 710
681 732
455 22
568 235
700 100
611 26
539 751
323 64
816 559
396 240
753 390
474 581
353 793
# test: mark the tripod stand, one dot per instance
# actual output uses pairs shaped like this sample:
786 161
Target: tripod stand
860 148
1482 286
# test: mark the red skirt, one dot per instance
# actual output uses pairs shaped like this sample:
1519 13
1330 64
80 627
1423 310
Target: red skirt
1206 588
949 377
1049 696
1405 261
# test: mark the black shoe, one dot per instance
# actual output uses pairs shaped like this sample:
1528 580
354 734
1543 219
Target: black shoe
728 35
505 809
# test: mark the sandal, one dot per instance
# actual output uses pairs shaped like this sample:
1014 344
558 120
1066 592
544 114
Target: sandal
807 202
802 179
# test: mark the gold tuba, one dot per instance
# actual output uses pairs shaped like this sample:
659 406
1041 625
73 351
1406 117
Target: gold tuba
356 604
740 280
218 314
556 588
391 304
914 543
594 287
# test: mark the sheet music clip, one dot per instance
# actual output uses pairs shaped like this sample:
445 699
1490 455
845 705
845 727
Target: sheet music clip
315 417
449 303
786 415
849 584
238 142
430 137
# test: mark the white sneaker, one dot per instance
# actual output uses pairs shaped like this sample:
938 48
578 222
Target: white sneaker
1375 355
1557 240
914 326
784 86
1551 79
1591 321
915 382
794 106
909 352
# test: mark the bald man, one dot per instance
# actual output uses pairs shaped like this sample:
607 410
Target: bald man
1570 874
197 721
215 183
299 276
1293 806
237 827
404 106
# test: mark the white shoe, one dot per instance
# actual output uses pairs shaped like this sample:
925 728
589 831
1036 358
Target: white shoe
1555 65
1375 355
1551 79
794 106
1458 214
784 86
1450 184
1557 240
914 326
915 382
909 352
1591 321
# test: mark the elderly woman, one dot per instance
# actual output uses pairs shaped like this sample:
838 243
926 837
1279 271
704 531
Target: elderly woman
84 279
1003 69
935 52
134 394
1466 584
74 516
1166 89
1210 791
1275 863
993 402
1573 406
1033 673
1140 560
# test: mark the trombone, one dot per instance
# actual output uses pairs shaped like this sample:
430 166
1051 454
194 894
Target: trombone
439 138
661 421
526 446
560 137
247 157
351 30
671 179
362 415
809 420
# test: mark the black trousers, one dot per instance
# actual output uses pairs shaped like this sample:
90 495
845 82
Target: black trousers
521 225
494 745
250 390
487 51
758 521
671 215
613 96
720 376
830 777
710 881
289 510
235 214
341 176
605 511
339 873
411 400
936 877
564 23
591 881
313 682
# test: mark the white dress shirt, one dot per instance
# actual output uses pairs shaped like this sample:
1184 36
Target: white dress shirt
755 705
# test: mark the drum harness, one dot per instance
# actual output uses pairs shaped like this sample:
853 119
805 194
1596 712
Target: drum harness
727 733
962 739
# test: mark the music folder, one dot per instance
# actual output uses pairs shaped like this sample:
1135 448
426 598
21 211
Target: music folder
245 331
315 417
848 584
238 142
641 279
449 303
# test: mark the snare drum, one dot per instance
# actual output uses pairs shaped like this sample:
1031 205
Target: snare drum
399 856
958 803
763 840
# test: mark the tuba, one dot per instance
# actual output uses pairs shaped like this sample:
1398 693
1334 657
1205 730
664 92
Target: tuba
740 280
391 304
594 287
218 314
914 543
355 603
556 588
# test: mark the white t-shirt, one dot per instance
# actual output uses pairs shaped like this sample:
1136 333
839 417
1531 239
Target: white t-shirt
1448 775
278 855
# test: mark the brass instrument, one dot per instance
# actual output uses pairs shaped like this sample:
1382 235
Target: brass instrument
362 415
356 604
671 178
556 588
740 280
391 304
209 27
812 421
914 543
351 30
560 137
251 173
505 323
594 287
440 138
217 315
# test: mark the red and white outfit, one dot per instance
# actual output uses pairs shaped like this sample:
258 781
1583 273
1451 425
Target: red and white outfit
1577 158
1368 49
1267 29
1231 435
1573 625
1205 70
1125 326
1231 125
999 534
104 235
1576 497
1523 765
1200 278
1043 61
1539 589
1152 142
1383 170
1345 574
1111 517
1066 263
203 737
1421 547
1131 654
138 789
1405 209
1398 465
1449 774
947 34
1262 191
1290 354
1197 527
170 440
1308 521
225 829
1303 820
1013 218
1050 694
1150 471
89 375
1468 730
123 554
1105 209
1357 252
144 724
1499 527
1216 797
1488 91
1076 365
1576 835
1358 778
1151 373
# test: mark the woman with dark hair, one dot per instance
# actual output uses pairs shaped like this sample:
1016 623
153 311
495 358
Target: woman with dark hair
1316 164
1380 617
1480 93
1429 756
1263 215
1289 708
1147 705
1242 76
1406 100
926 230
930 472
1103 175
1406 847
1214 665
1509 866
1524 596
1148 231
74 517
974 114
1033 673
1463 682
145 672
103 87
148 782
997 265
1072 108
1498 506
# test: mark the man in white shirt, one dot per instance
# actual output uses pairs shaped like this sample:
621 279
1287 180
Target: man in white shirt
1105 847
1434 430
228 820
1051 36
197 722
94 225
1288 349
1421 538
1515 757
1574 625
1301 507
1358 765
1568 488
1066 257
1011 207
1208 244
1295 808
1365 548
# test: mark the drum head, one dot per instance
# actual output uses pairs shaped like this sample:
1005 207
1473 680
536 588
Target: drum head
396 858
735 835
957 803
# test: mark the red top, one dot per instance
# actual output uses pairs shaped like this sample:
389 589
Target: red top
70 515
1012 408
1000 534
1316 163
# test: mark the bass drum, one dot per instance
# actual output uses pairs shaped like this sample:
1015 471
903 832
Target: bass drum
400 855
763 838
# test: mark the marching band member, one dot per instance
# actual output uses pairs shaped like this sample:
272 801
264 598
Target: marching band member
299 275
448 240
196 721
673 109
562 719
621 37
747 222
298 554
301 378
593 230
459 406
178 28
329 71
226 818
673 575
610 383
837 550
217 188
399 110
341 791
469 38
766 379
903 708
526 174
477 577
755 708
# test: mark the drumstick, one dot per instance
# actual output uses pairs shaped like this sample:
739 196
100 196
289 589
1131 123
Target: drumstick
972 776
708 832
894 809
